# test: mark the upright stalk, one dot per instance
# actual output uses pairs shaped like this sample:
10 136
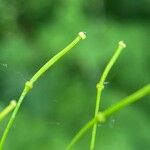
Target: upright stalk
29 84
100 87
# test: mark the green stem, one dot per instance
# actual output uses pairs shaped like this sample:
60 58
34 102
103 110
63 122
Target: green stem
100 87
57 57
11 120
7 110
127 100
29 84
101 116
81 133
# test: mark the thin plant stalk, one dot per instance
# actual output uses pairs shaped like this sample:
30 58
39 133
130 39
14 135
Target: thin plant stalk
127 100
100 87
29 84
102 116
81 133
7 110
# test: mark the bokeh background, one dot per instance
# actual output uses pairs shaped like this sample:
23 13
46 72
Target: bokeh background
63 100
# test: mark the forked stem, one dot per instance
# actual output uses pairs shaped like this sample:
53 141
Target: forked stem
100 87
102 116
29 84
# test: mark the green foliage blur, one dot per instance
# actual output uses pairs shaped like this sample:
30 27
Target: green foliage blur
63 100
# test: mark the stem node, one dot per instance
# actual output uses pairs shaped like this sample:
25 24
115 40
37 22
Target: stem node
99 86
100 117
29 85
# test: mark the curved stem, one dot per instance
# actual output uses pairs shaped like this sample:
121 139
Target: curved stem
7 110
45 67
29 84
100 87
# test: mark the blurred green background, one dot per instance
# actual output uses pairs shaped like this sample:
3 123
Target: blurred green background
63 100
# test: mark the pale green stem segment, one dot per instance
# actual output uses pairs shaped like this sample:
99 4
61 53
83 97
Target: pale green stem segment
100 87
101 116
29 84
128 100
7 110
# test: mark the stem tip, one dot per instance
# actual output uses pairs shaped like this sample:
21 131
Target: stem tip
13 103
122 44
82 35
